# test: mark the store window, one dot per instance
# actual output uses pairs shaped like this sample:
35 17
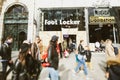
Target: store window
55 19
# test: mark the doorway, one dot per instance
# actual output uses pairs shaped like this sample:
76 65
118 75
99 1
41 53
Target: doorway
22 37
69 38
97 33
16 24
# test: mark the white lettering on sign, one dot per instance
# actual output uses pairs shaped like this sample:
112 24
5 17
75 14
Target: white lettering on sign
50 22
62 22
69 22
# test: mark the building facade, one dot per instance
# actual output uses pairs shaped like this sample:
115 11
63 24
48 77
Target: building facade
71 20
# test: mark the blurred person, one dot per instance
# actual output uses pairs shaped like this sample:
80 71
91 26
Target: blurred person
88 56
102 45
60 48
64 45
20 70
80 63
109 51
97 46
53 58
37 48
33 66
113 68
6 56
80 47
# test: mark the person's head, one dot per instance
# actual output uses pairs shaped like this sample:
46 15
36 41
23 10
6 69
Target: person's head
37 39
108 42
24 50
9 39
81 41
54 39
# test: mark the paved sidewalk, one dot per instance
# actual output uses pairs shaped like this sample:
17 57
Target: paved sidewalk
67 66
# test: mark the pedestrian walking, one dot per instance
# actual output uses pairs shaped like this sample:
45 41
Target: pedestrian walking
60 47
20 71
53 58
113 69
80 47
109 51
37 48
6 57
97 46
81 63
102 45
88 56
64 44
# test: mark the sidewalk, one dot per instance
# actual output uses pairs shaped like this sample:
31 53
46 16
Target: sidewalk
67 65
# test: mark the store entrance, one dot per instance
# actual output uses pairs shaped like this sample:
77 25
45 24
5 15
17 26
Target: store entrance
69 38
97 33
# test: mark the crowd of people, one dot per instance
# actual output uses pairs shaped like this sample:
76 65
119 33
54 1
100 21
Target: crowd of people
28 64
113 61
112 58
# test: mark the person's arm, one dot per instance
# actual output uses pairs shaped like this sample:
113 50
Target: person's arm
4 51
16 70
49 54
110 51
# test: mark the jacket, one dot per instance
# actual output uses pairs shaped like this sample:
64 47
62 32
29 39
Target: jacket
6 52
88 55
114 68
81 49
53 57
109 51
19 72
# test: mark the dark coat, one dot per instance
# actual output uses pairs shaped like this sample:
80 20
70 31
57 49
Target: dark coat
114 68
114 72
32 65
88 55
6 52
53 58
19 72
80 49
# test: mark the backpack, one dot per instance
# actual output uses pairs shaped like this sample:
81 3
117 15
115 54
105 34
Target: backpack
115 50
1 49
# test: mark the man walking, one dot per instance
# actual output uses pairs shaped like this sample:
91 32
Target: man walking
53 58
6 57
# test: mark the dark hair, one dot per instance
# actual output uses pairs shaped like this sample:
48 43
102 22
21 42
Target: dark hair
54 38
9 37
24 48
81 41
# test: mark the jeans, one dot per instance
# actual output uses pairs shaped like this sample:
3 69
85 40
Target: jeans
4 69
53 74
79 64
